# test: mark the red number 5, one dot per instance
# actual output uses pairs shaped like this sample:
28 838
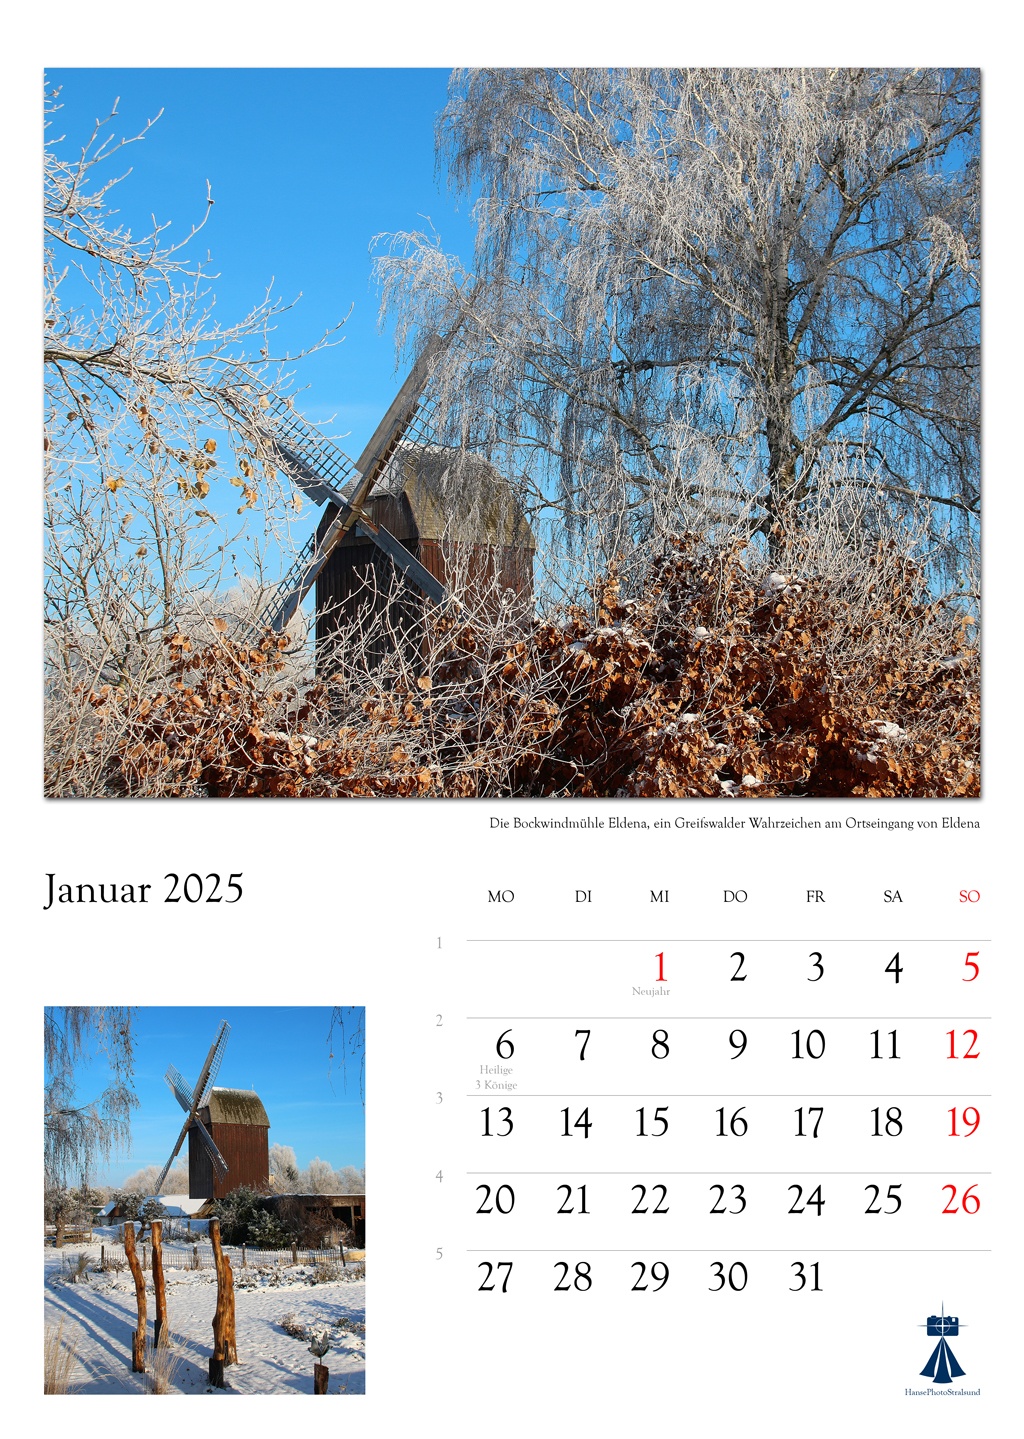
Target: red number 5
969 961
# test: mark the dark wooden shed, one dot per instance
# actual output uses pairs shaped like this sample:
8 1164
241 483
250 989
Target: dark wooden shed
458 516
325 1218
238 1125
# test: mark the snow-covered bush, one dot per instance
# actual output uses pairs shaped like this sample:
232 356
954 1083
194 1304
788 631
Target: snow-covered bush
237 1212
325 1271
129 1202
310 1333
293 1325
829 670
267 1232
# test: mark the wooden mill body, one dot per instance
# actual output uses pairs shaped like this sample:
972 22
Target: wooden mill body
458 517
238 1125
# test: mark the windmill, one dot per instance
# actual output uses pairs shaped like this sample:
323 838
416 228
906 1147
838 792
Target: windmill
192 1100
322 471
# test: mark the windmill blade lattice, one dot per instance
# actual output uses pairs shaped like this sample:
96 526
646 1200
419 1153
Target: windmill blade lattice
181 1090
213 1063
314 462
192 1100
323 471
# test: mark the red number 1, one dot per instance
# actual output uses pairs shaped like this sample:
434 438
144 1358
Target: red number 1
661 967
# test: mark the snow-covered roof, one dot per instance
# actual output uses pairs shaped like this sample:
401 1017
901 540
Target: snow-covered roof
236 1106
180 1206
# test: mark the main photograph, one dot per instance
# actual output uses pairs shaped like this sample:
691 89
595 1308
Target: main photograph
512 433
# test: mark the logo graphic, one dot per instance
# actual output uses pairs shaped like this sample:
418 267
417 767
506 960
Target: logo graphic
942 1367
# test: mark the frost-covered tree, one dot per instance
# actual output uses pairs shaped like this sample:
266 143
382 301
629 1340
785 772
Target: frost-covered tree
62 1207
319 1177
88 1095
143 1181
699 295
346 1043
144 455
130 1202
284 1167
151 1209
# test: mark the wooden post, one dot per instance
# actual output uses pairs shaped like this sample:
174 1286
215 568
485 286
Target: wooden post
103 1256
243 1257
320 1376
295 1253
159 1292
217 1357
143 1256
230 1344
225 1350
139 1333
195 1256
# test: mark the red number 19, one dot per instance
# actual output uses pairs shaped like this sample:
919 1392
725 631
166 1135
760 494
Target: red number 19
969 1121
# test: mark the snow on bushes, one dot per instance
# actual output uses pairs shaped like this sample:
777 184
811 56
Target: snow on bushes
712 679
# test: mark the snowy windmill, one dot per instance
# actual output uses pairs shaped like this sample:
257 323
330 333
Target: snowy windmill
388 511
227 1130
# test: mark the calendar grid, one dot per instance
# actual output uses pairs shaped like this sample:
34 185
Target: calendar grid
527 1096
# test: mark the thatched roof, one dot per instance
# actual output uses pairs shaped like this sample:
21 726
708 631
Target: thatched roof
236 1106
449 492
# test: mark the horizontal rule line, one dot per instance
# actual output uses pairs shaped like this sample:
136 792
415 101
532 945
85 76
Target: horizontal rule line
718 1249
726 1094
696 1173
717 939
728 1018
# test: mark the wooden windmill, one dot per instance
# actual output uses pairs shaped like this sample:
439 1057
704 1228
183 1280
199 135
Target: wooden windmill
321 470
353 520
227 1130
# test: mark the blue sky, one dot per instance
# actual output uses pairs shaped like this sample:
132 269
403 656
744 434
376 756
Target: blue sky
306 167
282 1053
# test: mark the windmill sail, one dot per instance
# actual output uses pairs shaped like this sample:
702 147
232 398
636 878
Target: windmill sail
181 1091
173 1156
212 1066
192 1100
324 472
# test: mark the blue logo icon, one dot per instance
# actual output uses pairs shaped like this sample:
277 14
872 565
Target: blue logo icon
942 1367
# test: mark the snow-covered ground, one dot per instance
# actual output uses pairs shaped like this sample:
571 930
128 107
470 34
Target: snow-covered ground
100 1313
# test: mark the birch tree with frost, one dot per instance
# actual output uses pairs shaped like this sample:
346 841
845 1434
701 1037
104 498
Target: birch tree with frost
711 296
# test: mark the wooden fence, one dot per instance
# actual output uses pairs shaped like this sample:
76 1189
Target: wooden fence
200 1256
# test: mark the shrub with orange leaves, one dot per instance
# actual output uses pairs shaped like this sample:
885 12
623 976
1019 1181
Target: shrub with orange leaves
720 677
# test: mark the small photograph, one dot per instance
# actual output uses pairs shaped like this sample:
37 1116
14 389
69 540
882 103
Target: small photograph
624 441
204 1200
